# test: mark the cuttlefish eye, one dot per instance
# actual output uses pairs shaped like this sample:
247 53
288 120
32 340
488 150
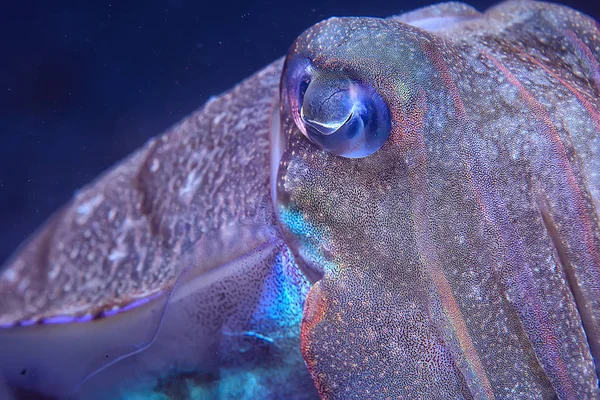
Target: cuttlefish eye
340 115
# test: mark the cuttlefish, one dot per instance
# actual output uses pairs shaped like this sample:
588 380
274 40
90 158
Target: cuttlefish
400 208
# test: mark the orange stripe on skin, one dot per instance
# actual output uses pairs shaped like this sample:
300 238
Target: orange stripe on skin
586 104
405 139
586 55
492 223
314 312
540 319
417 172
541 115
442 68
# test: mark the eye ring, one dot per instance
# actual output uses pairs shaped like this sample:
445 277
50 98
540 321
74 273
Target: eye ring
302 88
340 115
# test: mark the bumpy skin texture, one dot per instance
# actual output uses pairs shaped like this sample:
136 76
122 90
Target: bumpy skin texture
120 238
462 260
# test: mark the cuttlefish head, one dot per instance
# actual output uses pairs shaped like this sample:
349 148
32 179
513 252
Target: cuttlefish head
359 98
353 112
432 200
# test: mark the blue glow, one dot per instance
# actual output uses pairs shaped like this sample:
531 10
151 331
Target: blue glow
259 353
295 222
310 238
259 336
279 311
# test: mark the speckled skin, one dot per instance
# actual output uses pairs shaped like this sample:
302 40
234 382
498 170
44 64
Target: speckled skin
462 260
121 238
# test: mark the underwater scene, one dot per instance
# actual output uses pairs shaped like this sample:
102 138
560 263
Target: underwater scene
300 200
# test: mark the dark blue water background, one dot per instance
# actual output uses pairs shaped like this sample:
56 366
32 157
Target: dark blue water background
84 83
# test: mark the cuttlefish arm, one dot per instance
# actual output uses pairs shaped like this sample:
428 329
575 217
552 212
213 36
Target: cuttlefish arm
460 257
170 264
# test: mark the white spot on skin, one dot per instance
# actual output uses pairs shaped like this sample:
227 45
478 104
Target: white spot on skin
10 275
117 254
189 188
219 118
112 214
85 210
129 224
24 284
155 165
74 253
53 273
